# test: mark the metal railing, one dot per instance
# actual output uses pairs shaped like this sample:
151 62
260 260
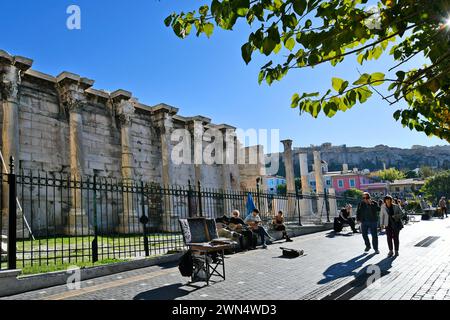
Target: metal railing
95 218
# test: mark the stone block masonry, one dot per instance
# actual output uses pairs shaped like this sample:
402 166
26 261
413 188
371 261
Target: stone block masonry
63 125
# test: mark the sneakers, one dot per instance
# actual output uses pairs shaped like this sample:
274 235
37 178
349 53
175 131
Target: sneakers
289 240
396 253
264 246
367 249
268 241
377 251
390 254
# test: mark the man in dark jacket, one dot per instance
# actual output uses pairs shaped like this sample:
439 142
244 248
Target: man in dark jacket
367 215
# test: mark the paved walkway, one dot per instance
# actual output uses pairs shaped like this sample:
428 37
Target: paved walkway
333 267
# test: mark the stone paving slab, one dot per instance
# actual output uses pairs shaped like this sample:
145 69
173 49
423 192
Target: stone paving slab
333 267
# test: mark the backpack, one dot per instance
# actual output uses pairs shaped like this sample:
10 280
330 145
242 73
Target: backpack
186 264
291 253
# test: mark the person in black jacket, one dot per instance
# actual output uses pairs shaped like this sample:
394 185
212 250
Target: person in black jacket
367 215
345 218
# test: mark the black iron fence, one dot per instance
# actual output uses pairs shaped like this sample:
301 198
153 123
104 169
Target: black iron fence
55 219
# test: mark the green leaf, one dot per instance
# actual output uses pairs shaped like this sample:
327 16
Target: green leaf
290 44
268 46
363 79
261 75
339 85
295 100
168 20
378 77
208 28
299 6
247 52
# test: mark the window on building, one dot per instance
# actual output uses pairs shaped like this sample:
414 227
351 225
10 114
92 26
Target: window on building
340 183
352 183
328 183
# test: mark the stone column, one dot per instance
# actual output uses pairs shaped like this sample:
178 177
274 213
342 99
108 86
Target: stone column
124 109
228 134
321 210
290 178
11 71
71 89
195 125
162 117
305 204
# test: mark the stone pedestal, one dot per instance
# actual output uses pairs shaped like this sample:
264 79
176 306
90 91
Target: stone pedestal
78 224
332 203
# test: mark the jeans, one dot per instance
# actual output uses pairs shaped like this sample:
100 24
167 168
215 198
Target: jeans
393 236
262 233
373 226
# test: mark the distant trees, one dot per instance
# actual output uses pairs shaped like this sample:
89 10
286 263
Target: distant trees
411 174
437 186
390 174
426 172
353 193
281 188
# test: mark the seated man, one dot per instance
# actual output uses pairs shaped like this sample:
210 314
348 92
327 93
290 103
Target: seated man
238 225
345 218
254 222
278 225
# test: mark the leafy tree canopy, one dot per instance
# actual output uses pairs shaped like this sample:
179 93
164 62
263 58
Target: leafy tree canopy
390 174
426 172
353 193
437 186
313 32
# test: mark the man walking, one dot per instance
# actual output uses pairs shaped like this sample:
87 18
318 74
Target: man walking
367 215
443 206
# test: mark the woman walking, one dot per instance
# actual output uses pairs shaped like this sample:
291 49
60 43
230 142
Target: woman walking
391 219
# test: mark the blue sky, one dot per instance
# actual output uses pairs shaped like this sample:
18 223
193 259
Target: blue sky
125 44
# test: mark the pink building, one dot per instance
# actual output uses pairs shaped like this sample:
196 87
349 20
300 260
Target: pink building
348 179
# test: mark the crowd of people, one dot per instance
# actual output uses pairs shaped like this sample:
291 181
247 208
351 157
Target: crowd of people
249 229
372 216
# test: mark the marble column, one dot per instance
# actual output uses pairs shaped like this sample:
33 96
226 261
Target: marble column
306 203
290 177
321 209
71 89
228 134
162 117
11 71
124 110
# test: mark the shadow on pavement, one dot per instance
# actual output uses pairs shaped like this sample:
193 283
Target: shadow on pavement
333 234
366 277
170 292
344 269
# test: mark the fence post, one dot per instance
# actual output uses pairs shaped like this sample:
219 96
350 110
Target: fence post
95 241
298 206
257 193
190 199
200 209
12 236
327 207
144 220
